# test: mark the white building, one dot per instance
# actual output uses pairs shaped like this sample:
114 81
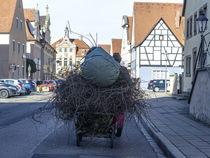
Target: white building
70 53
158 41
127 23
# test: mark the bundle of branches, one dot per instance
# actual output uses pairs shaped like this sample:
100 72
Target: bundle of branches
77 96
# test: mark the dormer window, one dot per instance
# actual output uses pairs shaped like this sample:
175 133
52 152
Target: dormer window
83 52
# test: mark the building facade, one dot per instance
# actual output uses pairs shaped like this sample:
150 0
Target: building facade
70 53
34 46
191 11
197 59
12 39
40 54
158 41
127 23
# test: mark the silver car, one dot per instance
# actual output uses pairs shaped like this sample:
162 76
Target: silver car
7 90
17 83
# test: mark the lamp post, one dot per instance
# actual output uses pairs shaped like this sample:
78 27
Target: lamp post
202 23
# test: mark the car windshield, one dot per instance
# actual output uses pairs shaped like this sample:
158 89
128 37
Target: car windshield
50 82
45 82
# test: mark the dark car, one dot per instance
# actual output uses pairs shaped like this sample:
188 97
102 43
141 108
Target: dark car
7 90
29 85
157 85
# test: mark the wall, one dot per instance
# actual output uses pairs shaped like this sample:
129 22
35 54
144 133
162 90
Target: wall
200 100
19 35
4 49
191 7
145 73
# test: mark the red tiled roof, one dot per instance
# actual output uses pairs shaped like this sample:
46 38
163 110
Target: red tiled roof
28 34
29 14
116 45
7 11
130 28
79 43
147 15
106 47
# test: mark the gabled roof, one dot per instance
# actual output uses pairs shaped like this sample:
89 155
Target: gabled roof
116 45
29 14
147 15
29 36
130 28
79 43
7 11
106 47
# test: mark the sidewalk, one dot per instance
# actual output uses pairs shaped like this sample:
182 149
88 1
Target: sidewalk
174 129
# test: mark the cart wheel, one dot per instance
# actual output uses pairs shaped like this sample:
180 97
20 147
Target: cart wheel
112 139
79 138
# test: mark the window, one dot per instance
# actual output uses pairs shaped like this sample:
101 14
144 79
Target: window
78 63
188 66
16 22
190 26
21 24
18 72
65 49
70 61
83 52
18 47
195 24
60 62
70 49
22 71
23 47
65 62
194 59
60 50
13 46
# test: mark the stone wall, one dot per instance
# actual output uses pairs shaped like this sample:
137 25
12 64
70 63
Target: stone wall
200 99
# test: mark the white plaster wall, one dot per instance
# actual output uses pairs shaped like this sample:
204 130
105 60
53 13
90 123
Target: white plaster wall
191 7
200 101
4 38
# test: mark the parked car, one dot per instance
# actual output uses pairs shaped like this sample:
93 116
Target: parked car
18 83
49 83
157 85
7 90
29 85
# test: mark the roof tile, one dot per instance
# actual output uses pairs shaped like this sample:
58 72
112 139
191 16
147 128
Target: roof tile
146 16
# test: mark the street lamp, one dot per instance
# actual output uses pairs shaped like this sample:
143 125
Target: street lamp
202 23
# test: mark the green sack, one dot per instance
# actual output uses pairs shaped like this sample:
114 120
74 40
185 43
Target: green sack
100 68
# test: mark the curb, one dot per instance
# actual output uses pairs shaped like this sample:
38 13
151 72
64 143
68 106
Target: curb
168 148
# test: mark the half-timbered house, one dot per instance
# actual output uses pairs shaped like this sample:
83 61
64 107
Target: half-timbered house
158 41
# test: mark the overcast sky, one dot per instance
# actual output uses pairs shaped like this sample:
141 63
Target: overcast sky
88 16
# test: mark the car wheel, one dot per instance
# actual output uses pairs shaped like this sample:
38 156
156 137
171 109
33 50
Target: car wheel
156 89
4 94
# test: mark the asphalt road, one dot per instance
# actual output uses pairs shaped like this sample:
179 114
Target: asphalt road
17 108
61 144
21 137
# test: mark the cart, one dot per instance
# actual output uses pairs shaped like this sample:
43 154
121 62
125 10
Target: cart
95 125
